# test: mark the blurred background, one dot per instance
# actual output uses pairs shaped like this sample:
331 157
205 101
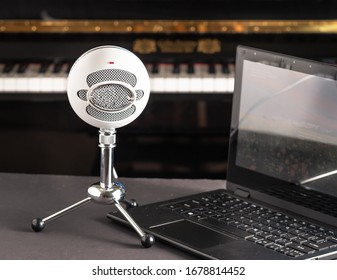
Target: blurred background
189 50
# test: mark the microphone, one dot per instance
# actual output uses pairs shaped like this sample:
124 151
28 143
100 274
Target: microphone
108 87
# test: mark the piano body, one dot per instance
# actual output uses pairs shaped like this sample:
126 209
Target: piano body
189 50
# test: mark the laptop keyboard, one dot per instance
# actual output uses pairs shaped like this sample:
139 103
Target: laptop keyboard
273 230
309 198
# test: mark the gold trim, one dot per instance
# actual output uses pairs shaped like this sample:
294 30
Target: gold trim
169 26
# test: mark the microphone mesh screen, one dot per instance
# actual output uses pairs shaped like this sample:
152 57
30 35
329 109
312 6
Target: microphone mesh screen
139 94
111 75
82 93
110 116
111 97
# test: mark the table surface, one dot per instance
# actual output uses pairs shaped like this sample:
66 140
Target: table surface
85 233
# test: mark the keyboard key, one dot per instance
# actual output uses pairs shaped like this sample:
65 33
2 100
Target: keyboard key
226 228
274 246
263 242
274 238
254 238
283 241
301 248
316 239
294 253
299 240
319 246
288 236
332 239
245 227
263 234
254 230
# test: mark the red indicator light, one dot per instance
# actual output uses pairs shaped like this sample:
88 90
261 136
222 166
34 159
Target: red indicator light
111 62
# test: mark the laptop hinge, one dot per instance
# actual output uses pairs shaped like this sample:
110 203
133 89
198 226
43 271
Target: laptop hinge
242 193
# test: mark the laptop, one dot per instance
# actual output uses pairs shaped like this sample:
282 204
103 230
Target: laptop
280 197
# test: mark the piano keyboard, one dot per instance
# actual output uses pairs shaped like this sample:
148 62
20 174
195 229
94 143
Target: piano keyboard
165 77
194 78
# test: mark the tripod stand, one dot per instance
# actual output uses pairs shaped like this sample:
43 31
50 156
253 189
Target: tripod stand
107 191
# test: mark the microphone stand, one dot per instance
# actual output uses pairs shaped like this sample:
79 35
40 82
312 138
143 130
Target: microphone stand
107 191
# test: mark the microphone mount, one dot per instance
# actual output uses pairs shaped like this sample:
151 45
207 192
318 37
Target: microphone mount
107 191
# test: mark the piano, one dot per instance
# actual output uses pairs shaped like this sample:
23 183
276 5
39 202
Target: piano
51 77
188 48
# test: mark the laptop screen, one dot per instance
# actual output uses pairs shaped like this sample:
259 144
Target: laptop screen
284 122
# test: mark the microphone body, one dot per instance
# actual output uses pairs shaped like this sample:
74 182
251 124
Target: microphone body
108 87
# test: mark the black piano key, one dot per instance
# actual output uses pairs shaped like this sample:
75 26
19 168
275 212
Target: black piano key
176 68
190 68
155 68
211 68
69 65
57 67
8 67
22 68
225 68
44 67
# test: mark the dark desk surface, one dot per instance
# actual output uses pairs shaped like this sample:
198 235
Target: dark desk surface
85 233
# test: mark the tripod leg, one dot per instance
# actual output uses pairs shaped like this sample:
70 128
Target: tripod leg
146 239
129 203
38 223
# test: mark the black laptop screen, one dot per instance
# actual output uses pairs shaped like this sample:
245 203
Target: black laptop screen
284 120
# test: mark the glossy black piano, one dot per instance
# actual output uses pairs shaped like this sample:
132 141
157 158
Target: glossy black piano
189 50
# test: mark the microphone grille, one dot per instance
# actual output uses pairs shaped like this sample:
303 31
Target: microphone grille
111 97
111 75
82 93
110 116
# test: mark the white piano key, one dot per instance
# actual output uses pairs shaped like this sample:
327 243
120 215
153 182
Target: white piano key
21 84
170 79
46 84
208 79
60 80
221 79
196 79
157 84
157 80
9 84
10 80
46 80
34 84
230 84
32 73
59 84
183 79
208 84
230 80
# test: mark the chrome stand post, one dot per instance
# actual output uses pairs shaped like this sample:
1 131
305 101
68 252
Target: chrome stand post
107 191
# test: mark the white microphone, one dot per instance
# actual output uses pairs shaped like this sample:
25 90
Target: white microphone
108 87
